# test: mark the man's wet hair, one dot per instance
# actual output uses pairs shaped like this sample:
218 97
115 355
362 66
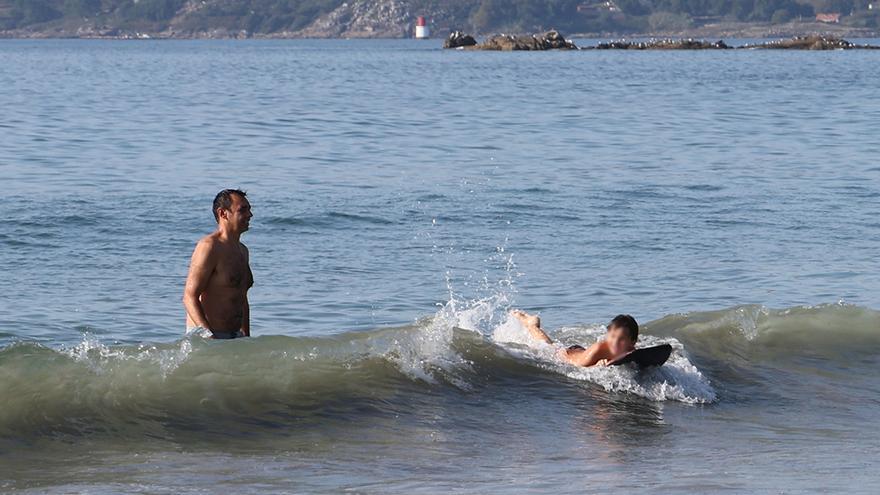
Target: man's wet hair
223 199
627 323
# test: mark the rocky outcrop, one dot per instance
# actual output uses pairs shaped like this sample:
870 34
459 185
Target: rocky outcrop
811 43
457 39
550 40
666 44
797 43
361 19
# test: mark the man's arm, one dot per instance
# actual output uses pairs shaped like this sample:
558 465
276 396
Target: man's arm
246 308
200 269
246 318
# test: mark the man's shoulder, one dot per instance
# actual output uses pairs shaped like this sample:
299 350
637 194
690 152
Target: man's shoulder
209 242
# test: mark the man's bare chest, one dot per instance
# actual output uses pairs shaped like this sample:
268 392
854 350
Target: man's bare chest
231 271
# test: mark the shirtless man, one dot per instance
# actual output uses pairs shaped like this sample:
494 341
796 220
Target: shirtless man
623 332
220 275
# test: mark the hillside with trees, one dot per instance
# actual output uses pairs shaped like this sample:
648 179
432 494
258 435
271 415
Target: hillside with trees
394 18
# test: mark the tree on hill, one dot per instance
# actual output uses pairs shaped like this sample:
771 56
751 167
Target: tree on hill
26 12
81 8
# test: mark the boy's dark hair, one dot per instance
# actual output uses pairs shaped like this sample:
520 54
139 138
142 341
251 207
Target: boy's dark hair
223 199
627 323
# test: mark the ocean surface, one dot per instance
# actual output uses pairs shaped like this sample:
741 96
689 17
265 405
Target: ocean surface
405 199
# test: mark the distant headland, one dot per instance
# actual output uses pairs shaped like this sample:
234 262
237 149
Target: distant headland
225 19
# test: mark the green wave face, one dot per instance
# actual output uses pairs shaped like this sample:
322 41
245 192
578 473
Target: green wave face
274 383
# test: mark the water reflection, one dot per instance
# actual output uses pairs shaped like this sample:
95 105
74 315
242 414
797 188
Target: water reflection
616 427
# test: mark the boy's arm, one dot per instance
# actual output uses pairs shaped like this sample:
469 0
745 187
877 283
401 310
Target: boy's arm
588 357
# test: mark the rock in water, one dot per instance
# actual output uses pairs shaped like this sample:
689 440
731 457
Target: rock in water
810 43
665 44
551 40
556 41
457 39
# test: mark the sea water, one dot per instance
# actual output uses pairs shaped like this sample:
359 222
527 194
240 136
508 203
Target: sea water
405 198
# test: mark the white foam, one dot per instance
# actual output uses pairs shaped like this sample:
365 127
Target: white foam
426 353
677 380
100 357
429 352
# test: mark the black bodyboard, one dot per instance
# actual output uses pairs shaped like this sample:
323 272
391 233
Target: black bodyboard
646 356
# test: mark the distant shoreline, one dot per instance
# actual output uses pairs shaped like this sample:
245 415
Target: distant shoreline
722 30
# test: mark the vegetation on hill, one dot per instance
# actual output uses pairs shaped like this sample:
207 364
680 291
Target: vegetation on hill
655 15
479 16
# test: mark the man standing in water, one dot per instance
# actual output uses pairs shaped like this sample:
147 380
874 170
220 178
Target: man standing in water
220 275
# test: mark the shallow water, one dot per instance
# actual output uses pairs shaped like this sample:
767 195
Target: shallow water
405 198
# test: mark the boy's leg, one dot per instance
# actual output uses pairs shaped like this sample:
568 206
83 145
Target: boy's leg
532 324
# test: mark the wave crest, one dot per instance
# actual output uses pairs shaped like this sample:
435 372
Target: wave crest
274 380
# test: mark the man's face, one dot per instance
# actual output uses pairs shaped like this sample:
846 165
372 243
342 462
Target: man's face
619 341
238 216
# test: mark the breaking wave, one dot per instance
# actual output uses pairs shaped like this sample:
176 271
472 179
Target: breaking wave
463 348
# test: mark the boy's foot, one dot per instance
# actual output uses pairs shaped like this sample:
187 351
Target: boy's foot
527 320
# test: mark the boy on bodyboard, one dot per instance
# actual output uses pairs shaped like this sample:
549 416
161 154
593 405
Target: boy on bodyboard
619 346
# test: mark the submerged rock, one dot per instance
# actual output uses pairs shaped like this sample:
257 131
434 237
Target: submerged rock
457 39
551 40
811 43
665 44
